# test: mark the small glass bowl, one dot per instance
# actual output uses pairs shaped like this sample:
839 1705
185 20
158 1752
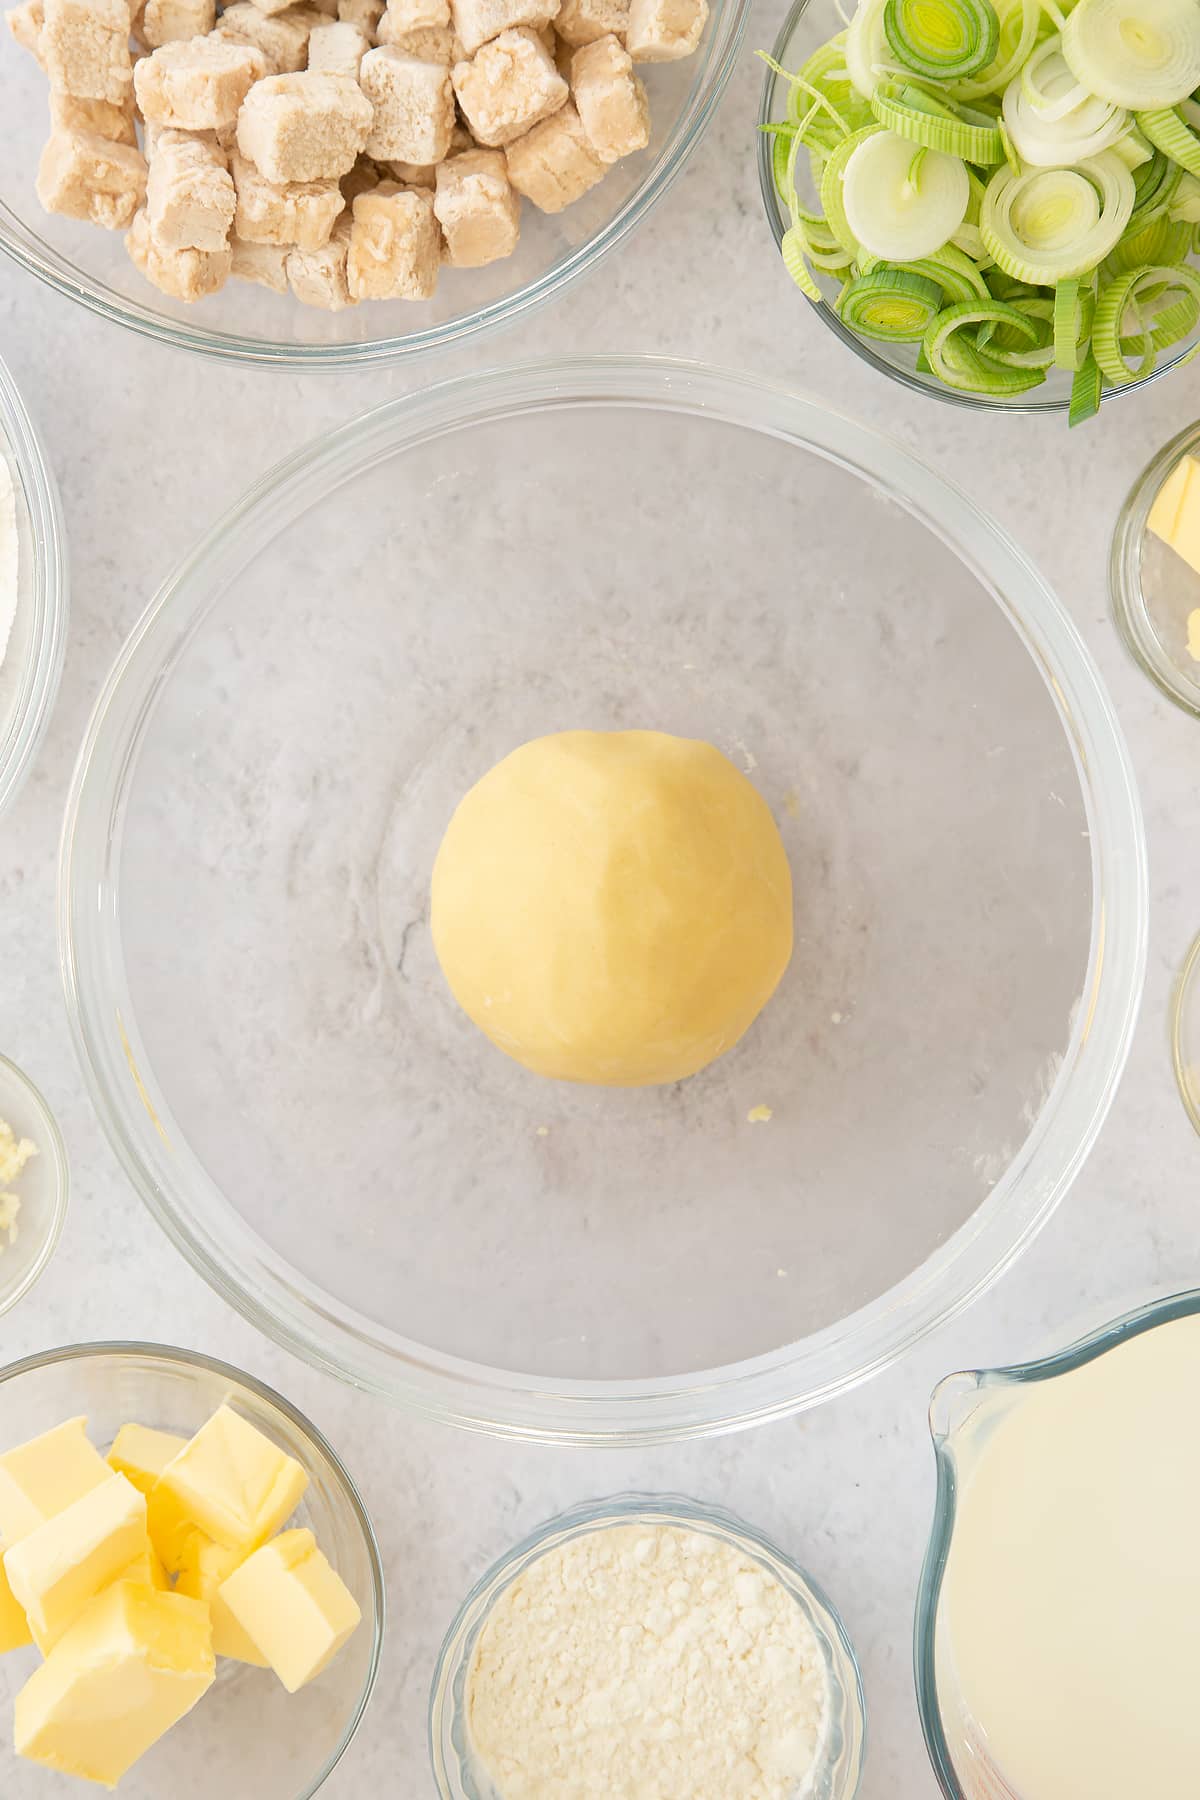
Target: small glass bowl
247 1736
455 1772
31 664
42 1186
1153 590
954 1739
808 25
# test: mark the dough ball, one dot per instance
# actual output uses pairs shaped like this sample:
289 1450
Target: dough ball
613 907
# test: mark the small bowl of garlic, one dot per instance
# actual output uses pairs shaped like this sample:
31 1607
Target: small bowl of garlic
34 1183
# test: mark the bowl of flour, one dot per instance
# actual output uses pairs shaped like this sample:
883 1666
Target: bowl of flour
33 590
647 1648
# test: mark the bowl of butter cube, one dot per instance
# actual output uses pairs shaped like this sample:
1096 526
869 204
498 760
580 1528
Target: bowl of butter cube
191 1594
342 182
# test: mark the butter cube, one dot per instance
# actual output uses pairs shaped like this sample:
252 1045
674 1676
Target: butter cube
14 1626
141 1455
45 1476
147 1569
1175 515
294 1606
231 1482
130 1668
203 1568
60 1567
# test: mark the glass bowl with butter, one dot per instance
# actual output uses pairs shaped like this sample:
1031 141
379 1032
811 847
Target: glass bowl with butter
103 1443
33 589
1154 570
34 1184
686 1647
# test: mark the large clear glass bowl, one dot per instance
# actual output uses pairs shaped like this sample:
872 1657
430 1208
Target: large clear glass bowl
456 1767
32 662
250 324
959 1414
809 24
248 1736
262 790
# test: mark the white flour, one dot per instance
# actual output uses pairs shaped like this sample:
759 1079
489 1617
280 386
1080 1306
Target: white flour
8 556
648 1663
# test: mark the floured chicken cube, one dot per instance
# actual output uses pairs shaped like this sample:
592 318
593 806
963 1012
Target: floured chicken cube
198 85
174 21
25 27
100 117
477 208
337 48
183 274
610 99
413 105
318 277
190 198
264 264
305 127
583 21
478 21
281 37
395 245
93 178
84 48
556 163
508 87
664 30
303 213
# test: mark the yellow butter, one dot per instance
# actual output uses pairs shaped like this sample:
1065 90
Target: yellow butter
14 1626
45 1476
231 1482
202 1569
1175 515
58 1569
141 1455
133 1664
147 1567
294 1606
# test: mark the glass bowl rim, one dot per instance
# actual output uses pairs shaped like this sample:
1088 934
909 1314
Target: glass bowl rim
1129 608
627 1509
51 1145
727 17
47 594
190 1360
699 1403
863 347
957 1389
1188 976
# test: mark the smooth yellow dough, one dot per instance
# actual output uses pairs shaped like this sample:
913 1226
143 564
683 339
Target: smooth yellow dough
613 907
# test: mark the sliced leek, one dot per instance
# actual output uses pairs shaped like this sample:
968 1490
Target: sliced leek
1051 121
1169 132
1034 217
1142 54
956 131
891 304
1048 225
946 40
899 212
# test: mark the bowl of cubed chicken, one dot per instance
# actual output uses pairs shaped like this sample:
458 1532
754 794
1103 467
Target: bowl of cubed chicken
336 182
191 1594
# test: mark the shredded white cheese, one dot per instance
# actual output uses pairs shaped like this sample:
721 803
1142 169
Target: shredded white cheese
15 1152
650 1663
8 555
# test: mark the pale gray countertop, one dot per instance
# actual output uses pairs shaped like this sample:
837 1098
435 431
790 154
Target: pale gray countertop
149 444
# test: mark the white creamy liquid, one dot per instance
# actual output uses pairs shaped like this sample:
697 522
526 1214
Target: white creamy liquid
8 556
1071 1602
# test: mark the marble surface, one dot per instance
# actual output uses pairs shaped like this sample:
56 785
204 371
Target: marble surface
149 445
